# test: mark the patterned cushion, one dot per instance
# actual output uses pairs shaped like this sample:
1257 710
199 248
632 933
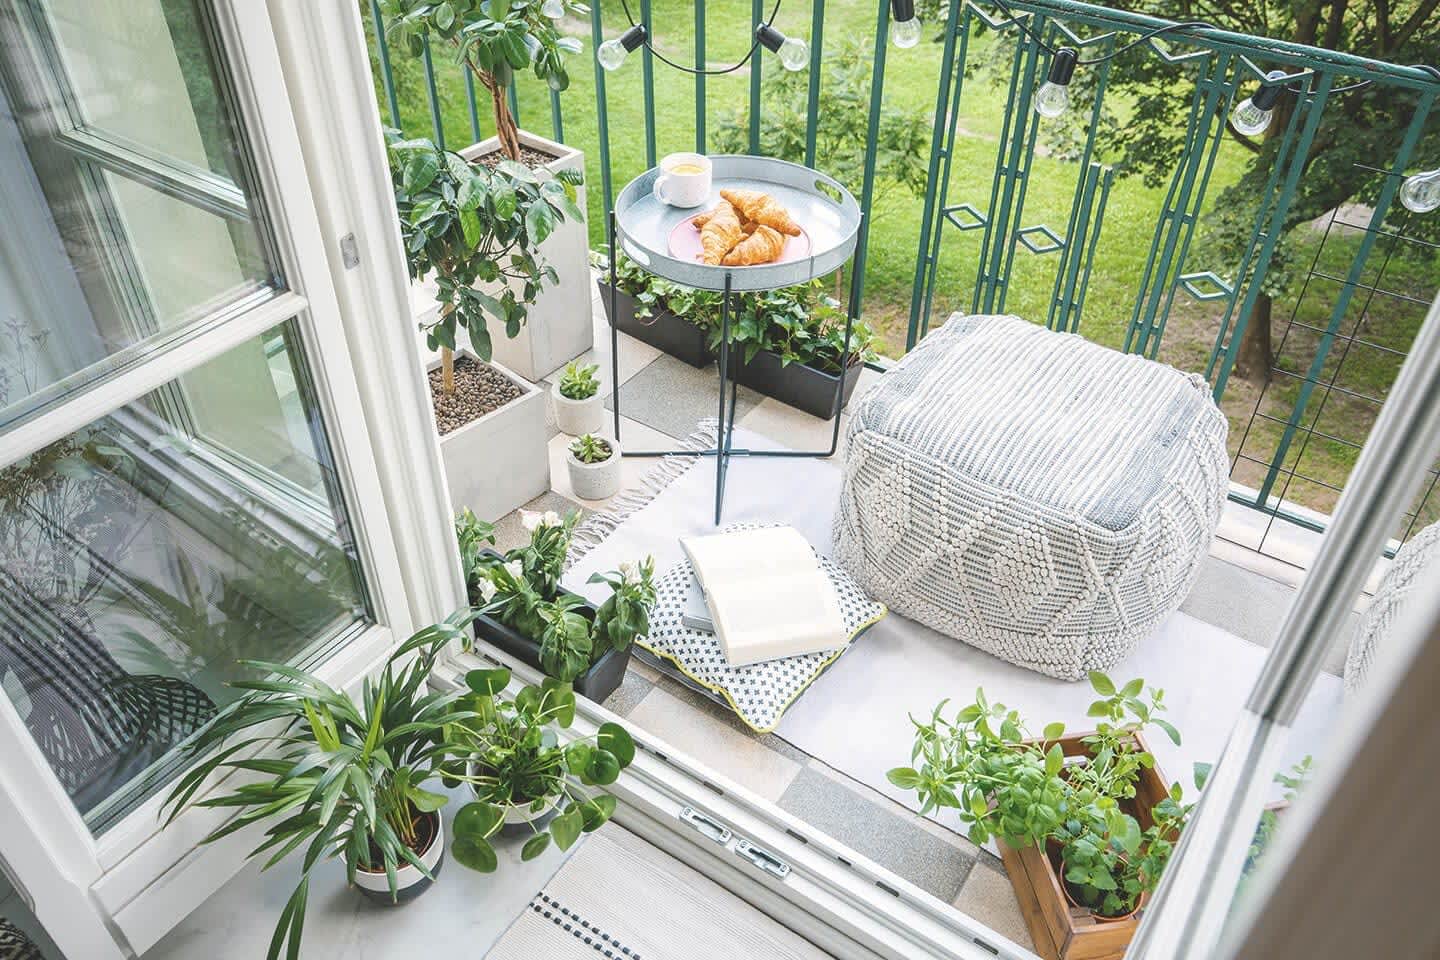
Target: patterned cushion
759 693
1392 597
1043 498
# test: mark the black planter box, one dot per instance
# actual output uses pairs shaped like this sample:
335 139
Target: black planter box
664 331
802 387
602 679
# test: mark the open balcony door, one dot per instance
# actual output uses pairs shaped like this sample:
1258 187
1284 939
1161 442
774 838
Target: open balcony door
177 363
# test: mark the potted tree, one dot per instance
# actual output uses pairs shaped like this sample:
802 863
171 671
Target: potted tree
594 465
460 225
523 776
1085 822
529 616
494 39
344 779
576 398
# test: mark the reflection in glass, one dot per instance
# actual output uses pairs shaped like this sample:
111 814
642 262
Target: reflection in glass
142 557
123 189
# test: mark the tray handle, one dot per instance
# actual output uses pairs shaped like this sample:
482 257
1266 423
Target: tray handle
828 187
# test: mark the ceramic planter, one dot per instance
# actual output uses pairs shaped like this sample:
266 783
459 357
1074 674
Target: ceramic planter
409 881
595 481
1059 930
664 330
802 387
576 417
560 326
500 461
599 682
520 815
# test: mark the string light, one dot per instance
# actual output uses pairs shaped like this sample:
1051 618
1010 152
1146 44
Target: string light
1251 116
905 26
1054 97
794 53
612 53
1420 193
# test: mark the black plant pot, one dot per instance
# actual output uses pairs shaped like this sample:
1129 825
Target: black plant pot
802 387
664 330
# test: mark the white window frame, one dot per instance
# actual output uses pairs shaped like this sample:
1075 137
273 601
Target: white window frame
114 895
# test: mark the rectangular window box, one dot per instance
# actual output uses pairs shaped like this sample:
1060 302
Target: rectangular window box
664 330
802 387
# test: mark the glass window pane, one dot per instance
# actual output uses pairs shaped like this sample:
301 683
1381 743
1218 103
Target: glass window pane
143 556
123 188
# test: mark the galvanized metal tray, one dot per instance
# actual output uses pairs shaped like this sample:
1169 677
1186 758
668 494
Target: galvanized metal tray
824 209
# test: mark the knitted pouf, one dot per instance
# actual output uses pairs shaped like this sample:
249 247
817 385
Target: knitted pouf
1420 554
1043 498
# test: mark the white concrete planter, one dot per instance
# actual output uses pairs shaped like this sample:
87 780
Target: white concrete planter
559 327
409 881
595 481
500 461
578 416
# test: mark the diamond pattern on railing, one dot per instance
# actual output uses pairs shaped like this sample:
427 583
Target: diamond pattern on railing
968 208
1216 288
1056 241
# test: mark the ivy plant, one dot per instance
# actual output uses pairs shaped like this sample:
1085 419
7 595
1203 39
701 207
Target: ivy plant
476 230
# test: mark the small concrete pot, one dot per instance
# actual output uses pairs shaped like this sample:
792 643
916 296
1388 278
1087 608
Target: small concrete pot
576 417
595 481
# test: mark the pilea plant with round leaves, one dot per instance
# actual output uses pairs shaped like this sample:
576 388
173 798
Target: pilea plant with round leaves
509 751
493 39
469 225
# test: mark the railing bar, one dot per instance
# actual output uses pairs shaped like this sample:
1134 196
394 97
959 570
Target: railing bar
647 78
470 102
1393 294
557 122
757 15
701 104
1068 272
812 98
872 136
602 121
1105 185
1352 394
982 279
1323 435
1357 265
436 123
934 259
1352 337
387 75
1022 165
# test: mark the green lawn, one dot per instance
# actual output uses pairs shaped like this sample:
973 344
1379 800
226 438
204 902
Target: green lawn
911 81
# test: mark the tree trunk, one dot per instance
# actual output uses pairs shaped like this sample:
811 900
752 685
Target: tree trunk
505 127
1255 358
447 371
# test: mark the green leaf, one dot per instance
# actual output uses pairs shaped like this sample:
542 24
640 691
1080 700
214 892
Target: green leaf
1054 760
426 801
535 846
616 740
1054 731
488 683
539 222
419 172
596 811
1133 688
1102 684
604 768
478 820
905 778
444 16
566 828
1169 729
474 853
471 228
502 200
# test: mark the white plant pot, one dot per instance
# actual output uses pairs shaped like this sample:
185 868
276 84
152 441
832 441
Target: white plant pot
595 481
559 327
523 814
577 417
501 461
409 881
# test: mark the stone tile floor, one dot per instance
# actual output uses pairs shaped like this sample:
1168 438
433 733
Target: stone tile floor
1238 589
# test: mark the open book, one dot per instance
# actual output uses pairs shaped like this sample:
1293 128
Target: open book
767 595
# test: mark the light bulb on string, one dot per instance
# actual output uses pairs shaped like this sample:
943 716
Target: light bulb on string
1054 96
905 26
793 53
1251 116
553 9
1420 193
612 53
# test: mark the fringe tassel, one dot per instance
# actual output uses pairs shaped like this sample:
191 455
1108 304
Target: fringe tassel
593 530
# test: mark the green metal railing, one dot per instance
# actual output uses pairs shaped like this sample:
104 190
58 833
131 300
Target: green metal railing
994 229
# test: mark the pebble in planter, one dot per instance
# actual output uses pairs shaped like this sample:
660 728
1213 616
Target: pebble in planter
576 398
594 464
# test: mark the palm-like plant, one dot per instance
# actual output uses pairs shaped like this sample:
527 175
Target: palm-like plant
338 777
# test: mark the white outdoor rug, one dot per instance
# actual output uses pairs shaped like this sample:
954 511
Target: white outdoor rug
854 718
619 898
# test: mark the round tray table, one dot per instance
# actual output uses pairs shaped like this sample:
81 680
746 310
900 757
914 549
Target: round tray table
642 227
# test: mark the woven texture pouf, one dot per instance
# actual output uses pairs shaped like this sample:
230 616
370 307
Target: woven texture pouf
1420 555
1043 498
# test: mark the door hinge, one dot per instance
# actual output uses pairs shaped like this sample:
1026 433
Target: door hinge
349 251
762 858
711 828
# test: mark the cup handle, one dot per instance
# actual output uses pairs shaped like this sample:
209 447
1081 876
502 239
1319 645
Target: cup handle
659 190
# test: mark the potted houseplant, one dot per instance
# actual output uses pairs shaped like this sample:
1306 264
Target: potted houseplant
594 465
1085 822
669 317
576 397
461 225
529 616
344 778
493 39
522 775
789 344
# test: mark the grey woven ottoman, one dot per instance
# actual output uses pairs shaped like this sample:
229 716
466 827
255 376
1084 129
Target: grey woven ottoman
1420 555
1043 498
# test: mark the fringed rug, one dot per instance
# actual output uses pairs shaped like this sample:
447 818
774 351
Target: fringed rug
619 898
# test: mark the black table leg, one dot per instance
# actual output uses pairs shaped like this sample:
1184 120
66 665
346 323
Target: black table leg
614 332
722 435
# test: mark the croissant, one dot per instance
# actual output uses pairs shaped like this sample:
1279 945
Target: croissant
762 246
762 208
720 233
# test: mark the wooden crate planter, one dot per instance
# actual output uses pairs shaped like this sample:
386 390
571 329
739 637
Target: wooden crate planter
1062 931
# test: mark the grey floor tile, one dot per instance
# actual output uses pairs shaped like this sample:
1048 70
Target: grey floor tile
631 692
672 396
510 533
723 714
886 834
988 897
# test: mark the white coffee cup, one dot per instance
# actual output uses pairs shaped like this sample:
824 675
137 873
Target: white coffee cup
684 180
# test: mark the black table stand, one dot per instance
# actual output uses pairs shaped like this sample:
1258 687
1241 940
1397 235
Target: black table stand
723 449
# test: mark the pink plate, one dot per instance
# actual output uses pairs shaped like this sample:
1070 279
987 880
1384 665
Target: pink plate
685 244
